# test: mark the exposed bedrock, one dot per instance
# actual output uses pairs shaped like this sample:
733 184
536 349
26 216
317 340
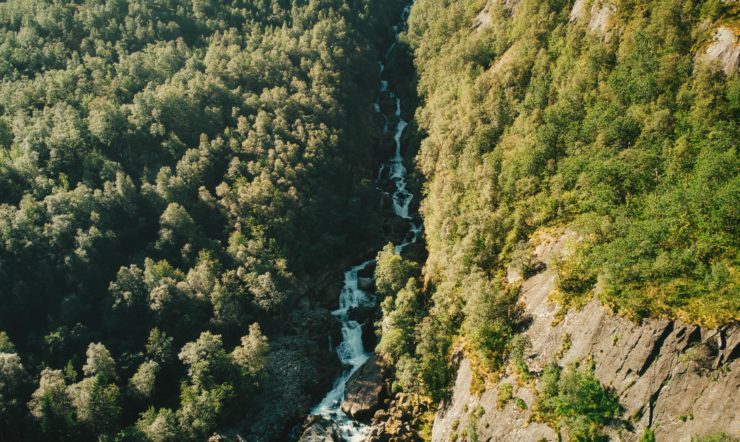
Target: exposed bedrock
678 379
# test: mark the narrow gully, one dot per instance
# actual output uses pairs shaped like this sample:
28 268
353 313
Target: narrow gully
351 352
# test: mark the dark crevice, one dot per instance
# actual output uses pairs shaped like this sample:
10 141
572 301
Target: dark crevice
655 352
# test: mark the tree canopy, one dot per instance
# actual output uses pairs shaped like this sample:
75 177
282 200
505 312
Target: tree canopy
173 175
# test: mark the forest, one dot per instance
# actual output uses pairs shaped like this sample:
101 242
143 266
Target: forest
180 178
173 177
530 119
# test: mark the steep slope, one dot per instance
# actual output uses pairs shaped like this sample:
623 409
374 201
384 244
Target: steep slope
178 179
616 121
668 375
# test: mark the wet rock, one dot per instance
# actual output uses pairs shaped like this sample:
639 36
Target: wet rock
388 187
319 429
366 284
369 338
386 202
387 146
326 288
396 227
365 389
362 314
416 252
368 271
366 316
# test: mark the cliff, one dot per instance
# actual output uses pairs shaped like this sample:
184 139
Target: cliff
677 379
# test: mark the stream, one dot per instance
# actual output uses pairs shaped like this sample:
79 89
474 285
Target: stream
351 352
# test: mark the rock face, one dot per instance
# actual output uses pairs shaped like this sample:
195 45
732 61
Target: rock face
661 385
365 390
483 19
598 16
319 429
326 287
725 49
366 316
302 366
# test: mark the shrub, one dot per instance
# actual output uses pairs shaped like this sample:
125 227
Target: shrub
648 435
576 401
505 393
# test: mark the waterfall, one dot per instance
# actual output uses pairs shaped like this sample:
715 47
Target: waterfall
351 351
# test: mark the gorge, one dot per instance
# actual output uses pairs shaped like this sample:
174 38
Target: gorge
369 220
350 350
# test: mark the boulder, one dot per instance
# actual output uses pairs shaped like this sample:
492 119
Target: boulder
416 252
363 315
388 187
396 227
369 270
365 390
369 338
319 429
366 284
326 287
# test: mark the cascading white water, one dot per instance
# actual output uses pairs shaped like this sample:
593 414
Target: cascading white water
401 197
351 351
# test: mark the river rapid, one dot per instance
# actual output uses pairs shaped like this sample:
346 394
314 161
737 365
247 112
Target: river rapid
351 352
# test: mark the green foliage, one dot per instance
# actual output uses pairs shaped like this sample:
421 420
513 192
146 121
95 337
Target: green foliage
648 435
505 393
169 171
5 345
576 401
12 381
143 381
565 345
99 362
533 120
398 328
159 426
432 350
392 271
251 355
519 345
96 404
51 405
159 347
207 361
714 437
201 409
489 317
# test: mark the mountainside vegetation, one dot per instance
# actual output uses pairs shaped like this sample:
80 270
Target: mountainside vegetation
180 178
173 175
601 117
